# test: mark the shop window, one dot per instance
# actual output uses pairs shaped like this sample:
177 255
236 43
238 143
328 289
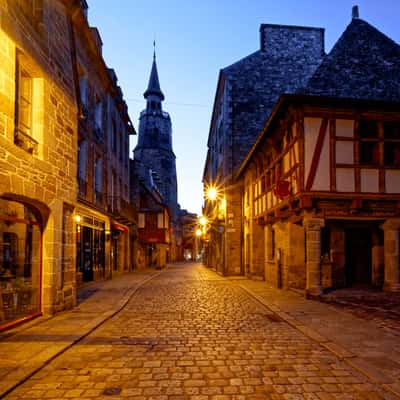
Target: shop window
20 267
90 245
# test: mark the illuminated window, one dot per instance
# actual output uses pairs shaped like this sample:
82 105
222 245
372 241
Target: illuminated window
23 110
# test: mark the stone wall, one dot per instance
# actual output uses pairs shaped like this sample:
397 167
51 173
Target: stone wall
45 179
233 232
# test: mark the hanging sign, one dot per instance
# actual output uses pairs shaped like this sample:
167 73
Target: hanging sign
282 189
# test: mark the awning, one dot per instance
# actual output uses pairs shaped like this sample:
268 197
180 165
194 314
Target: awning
118 227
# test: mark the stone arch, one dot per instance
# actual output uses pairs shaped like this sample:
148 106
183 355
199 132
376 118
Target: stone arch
40 210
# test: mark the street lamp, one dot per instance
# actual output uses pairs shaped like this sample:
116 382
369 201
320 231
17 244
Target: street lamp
203 220
211 193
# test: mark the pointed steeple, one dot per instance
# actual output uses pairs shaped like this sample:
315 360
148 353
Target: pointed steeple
154 84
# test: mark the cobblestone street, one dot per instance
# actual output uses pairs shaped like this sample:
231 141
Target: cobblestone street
190 334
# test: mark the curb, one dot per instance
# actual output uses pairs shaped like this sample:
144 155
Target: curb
372 373
10 385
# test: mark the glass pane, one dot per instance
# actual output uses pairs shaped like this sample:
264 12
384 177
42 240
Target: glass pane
392 154
368 129
392 130
20 268
369 153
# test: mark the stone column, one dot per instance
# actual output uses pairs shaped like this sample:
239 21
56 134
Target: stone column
391 255
313 250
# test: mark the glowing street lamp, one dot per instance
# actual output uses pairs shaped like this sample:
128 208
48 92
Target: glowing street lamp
211 193
198 232
203 220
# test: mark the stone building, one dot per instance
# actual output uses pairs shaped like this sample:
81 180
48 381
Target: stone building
321 184
154 238
38 158
154 150
58 151
246 93
104 216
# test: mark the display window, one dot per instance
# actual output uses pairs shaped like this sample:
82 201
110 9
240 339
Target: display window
90 247
20 263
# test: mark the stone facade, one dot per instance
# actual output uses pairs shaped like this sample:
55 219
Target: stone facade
107 221
64 158
38 160
245 96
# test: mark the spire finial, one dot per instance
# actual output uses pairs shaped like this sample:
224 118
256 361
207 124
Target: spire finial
154 49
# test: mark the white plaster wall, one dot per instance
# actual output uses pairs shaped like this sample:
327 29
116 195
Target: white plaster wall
392 180
345 128
344 152
345 180
369 180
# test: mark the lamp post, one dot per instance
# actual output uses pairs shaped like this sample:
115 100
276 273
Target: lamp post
215 207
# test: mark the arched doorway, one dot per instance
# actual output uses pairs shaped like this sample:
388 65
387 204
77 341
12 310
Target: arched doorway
20 263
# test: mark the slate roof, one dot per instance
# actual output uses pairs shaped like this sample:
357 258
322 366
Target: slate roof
363 64
257 81
154 83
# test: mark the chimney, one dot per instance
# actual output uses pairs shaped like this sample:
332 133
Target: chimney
289 41
354 12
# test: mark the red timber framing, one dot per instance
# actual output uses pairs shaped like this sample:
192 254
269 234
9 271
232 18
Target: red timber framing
317 154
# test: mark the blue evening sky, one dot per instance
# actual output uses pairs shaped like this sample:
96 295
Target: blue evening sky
194 40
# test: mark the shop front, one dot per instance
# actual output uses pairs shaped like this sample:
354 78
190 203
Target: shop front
90 247
20 263
119 247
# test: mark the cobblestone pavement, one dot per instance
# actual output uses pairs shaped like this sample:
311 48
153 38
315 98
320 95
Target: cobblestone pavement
382 308
190 334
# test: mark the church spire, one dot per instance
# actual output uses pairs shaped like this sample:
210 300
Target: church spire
154 84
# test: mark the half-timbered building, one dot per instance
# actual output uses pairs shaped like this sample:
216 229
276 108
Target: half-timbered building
322 182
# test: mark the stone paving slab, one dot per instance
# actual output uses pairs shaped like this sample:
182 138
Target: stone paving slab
172 352
26 349
189 335
361 342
